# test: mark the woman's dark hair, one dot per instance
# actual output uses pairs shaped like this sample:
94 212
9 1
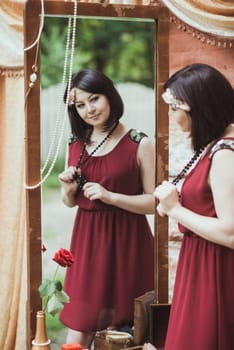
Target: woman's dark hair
210 97
94 81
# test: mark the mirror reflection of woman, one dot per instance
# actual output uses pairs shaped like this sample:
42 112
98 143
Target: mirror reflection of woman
110 178
201 101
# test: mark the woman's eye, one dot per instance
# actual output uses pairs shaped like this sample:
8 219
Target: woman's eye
94 98
79 106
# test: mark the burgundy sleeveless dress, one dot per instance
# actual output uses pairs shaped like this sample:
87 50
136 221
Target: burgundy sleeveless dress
113 248
202 311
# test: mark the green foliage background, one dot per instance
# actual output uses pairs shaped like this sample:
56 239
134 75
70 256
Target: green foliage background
122 49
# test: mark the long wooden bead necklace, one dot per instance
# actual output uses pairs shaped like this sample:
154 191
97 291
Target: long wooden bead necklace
80 179
186 168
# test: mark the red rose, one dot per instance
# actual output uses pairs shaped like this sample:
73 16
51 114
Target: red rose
64 258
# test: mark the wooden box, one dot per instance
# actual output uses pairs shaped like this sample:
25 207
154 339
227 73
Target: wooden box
142 309
109 340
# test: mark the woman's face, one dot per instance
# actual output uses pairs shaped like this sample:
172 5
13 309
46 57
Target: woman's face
93 108
178 110
181 117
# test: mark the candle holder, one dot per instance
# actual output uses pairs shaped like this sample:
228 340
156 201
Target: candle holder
71 347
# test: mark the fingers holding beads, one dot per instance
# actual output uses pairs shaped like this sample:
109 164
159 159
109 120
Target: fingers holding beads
68 175
93 191
168 197
164 190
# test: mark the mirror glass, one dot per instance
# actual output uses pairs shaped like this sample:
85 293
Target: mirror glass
124 50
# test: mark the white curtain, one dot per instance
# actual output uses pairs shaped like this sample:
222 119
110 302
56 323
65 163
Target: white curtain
13 267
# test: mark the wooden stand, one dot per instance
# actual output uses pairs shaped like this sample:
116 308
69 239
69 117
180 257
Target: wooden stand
159 317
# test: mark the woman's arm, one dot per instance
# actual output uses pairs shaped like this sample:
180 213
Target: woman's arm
220 229
69 186
141 203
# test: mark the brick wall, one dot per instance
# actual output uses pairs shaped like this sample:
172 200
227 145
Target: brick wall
186 49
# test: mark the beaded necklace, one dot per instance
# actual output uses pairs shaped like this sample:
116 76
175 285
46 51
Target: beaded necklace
187 166
80 179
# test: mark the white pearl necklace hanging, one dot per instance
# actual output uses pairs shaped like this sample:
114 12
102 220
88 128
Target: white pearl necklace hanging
62 123
33 76
60 99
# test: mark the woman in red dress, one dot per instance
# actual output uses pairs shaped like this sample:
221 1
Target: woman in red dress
110 178
202 314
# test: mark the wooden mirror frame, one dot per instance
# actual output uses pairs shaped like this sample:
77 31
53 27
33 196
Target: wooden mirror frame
32 10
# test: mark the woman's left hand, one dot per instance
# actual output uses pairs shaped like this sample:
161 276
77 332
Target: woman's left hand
168 197
93 191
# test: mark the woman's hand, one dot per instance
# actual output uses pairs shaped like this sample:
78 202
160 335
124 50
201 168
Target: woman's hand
68 175
68 179
168 197
93 190
69 186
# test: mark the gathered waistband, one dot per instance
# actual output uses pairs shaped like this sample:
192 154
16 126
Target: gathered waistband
108 208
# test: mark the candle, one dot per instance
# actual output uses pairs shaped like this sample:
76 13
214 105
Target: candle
71 347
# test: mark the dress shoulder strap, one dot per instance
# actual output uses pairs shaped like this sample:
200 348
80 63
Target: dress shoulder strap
72 139
222 144
136 135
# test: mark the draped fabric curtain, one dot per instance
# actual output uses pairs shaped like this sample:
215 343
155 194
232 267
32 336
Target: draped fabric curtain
13 266
215 17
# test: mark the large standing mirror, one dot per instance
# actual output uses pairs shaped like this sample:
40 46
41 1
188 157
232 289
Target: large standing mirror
146 113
